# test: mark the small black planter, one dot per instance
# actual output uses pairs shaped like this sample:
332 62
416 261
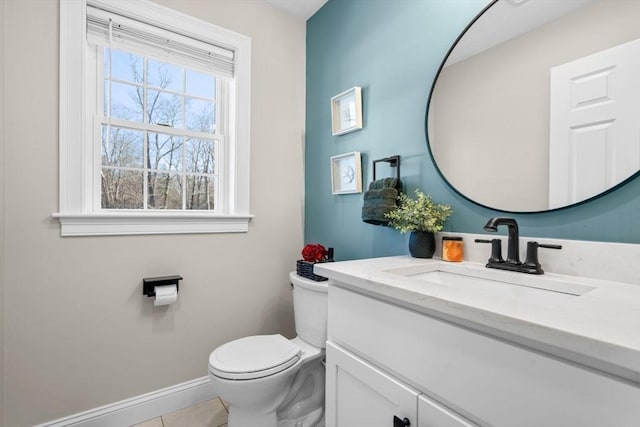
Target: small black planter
422 244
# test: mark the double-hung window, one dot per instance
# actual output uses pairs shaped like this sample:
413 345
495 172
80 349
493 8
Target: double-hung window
154 121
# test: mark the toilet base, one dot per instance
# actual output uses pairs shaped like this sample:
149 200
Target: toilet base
249 419
252 419
313 419
302 407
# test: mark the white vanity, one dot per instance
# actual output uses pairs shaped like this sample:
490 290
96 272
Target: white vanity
439 344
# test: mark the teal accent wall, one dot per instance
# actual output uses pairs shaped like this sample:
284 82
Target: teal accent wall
392 49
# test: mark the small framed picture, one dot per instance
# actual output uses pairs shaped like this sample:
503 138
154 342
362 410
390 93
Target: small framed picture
346 111
346 173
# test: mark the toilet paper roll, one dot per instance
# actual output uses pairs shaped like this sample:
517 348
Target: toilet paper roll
165 295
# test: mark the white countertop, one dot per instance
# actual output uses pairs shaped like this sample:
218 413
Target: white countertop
599 328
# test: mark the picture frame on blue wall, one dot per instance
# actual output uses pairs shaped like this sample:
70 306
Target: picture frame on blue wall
346 173
346 111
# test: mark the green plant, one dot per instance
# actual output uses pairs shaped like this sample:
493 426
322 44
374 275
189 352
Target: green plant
420 214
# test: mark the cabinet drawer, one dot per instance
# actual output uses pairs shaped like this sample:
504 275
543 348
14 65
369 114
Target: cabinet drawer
486 380
359 394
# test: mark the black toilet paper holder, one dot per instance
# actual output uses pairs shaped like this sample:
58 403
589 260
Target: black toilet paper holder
149 284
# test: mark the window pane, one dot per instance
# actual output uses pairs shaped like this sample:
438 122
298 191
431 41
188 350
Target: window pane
148 91
165 191
200 115
122 189
126 66
123 148
164 109
200 84
200 156
165 151
200 192
126 101
163 75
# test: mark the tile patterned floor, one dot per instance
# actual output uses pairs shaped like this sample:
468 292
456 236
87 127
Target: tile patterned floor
212 413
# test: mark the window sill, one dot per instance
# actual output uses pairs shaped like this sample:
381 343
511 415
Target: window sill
132 223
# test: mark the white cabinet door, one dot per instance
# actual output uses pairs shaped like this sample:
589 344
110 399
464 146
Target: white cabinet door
360 395
432 414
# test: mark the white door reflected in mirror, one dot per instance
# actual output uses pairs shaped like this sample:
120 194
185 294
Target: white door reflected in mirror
594 140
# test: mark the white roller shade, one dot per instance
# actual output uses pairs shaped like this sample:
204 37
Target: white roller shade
151 40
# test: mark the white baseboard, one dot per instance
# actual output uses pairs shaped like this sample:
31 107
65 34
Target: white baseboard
140 408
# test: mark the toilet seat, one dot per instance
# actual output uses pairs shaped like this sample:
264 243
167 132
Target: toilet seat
253 357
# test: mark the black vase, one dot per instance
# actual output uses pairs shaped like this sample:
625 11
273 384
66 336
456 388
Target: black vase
422 244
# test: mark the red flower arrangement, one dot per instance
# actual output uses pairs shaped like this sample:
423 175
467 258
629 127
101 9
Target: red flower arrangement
314 252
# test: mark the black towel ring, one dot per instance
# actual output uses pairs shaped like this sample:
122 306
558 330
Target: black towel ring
394 162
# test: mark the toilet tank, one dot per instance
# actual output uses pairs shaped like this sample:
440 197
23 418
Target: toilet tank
310 309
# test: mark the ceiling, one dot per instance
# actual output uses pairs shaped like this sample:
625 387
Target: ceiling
302 8
512 18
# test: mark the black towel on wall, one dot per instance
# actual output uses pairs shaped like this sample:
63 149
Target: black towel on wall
379 199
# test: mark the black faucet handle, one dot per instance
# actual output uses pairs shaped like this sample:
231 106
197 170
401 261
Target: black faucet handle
540 245
532 256
496 250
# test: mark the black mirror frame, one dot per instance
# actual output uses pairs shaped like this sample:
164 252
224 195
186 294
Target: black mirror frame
435 163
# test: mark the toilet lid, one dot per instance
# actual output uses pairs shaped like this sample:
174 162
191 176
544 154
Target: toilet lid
253 357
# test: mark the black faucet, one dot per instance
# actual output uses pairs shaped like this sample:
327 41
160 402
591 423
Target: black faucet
513 263
513 249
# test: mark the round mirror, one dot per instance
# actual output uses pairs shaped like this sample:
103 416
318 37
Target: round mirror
537 105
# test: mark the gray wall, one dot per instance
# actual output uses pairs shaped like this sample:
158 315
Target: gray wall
78 333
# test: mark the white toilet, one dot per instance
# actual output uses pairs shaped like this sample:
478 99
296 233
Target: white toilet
270 381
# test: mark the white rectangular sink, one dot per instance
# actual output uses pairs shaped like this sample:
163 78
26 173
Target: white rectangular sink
541 289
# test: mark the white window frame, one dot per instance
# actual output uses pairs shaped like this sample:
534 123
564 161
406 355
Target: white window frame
78 213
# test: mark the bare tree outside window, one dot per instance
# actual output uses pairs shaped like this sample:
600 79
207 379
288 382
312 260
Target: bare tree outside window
158 135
